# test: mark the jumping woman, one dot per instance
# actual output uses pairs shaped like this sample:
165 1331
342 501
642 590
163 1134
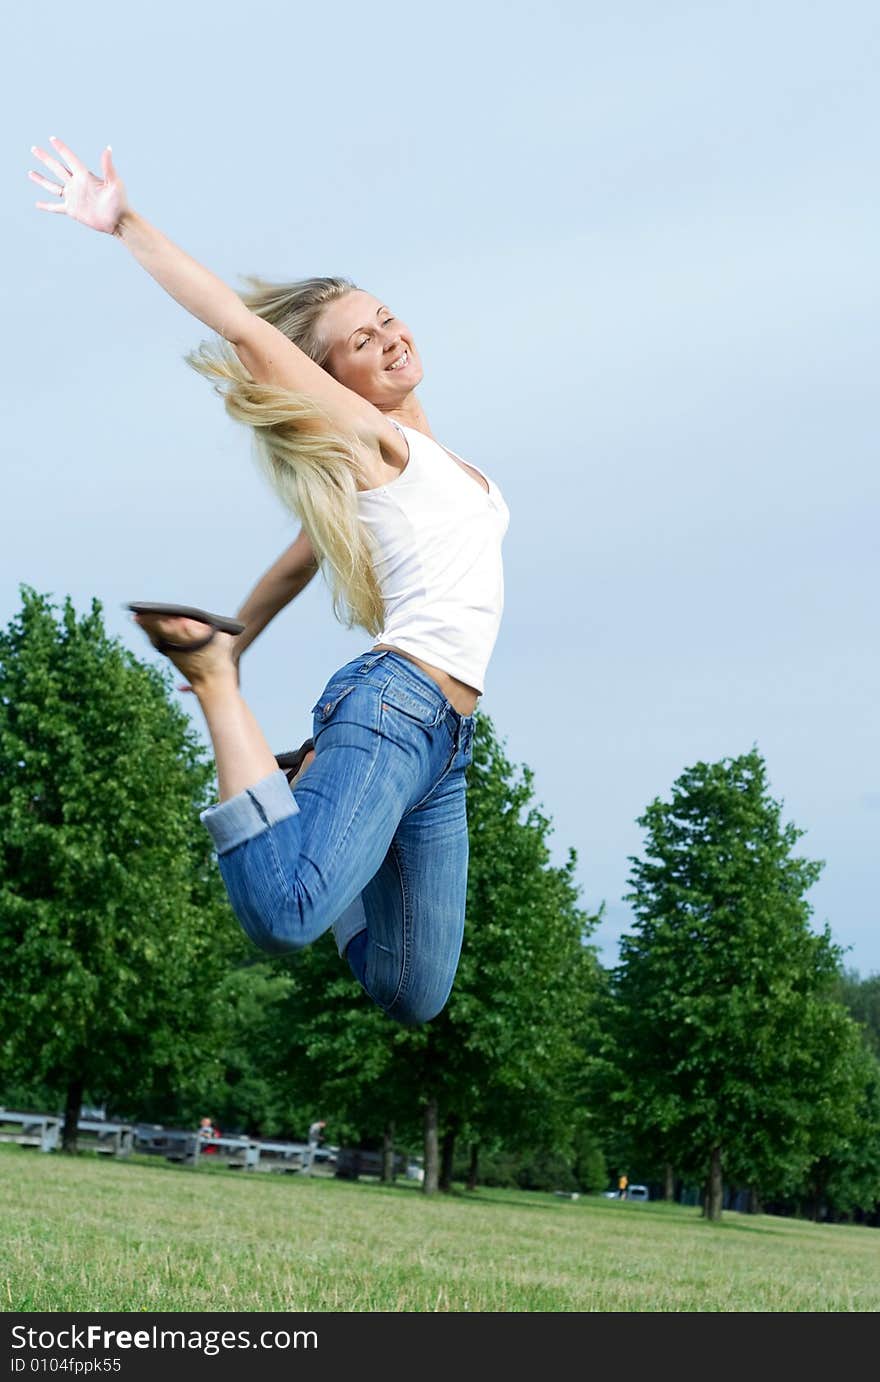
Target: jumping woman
371 839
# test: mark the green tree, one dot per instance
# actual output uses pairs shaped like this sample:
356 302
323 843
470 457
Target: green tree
113 929
504 1061
506 1058
861 997
245 1087
845 1175
724 1030
341 1047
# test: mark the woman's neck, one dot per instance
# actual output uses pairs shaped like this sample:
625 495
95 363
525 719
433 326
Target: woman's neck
410 413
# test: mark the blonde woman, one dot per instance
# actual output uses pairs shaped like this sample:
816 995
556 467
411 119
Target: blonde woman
372 840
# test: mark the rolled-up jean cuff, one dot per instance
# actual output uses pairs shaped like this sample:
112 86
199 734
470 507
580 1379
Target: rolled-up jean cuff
249 813
346 927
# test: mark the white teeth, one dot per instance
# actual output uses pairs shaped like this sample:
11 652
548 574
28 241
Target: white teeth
398 364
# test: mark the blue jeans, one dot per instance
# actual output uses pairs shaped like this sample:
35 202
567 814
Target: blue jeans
373 841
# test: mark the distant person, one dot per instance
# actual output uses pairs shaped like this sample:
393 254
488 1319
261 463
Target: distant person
208 1131
372 840
622 1183
316 1133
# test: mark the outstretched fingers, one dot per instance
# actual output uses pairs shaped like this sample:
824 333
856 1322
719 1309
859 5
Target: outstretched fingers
60 172
75 164
46 182
97 201
51 163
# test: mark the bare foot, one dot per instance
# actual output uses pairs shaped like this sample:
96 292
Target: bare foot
211 664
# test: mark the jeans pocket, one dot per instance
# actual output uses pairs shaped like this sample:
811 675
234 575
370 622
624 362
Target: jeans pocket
405 701
330 700
348 714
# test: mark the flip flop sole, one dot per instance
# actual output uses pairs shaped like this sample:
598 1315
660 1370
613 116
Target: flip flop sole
215 621
292 762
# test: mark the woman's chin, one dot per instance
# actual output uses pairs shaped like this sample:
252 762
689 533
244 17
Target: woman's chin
410 378
391 392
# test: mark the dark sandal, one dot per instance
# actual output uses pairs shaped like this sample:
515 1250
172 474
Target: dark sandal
290 763
218 622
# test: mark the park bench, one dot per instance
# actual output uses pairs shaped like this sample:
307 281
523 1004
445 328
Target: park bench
180 1144
172 1143
235 1152
280 1156
111 1139
30 1129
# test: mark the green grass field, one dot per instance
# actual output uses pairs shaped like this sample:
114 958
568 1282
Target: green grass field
88 1234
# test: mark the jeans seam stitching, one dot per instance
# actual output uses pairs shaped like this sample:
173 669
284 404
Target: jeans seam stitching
428 685
276 860
442 778
377 737
406 966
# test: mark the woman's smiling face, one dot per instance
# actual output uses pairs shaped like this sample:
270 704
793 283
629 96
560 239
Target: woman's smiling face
370 350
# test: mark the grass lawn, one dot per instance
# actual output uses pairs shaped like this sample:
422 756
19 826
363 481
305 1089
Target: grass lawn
91 1234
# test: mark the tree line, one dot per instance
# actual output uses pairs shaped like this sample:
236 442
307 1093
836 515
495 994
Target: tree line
728 1047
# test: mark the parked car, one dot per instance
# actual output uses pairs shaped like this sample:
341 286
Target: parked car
637 1192
352 1162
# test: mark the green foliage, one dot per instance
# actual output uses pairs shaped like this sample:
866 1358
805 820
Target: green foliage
509 1049
342 1050
113 931
544 1168
590 1167
505 1059
245 1087
845 1177
861 997
723 1030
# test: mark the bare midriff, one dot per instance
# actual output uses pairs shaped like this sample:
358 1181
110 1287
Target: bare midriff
460 696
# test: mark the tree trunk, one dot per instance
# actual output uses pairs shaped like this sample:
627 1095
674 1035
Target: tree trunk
448 1155
430 1182
668 1182
388 1172
754 1202
714 1188
72 1106
472 1166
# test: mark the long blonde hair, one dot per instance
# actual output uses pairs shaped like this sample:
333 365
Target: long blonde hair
313 469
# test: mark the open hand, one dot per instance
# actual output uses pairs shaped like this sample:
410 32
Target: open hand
98 202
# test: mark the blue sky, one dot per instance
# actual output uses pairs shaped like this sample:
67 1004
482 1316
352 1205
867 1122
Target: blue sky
637 245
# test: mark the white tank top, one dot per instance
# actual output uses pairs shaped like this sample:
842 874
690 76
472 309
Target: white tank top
437 536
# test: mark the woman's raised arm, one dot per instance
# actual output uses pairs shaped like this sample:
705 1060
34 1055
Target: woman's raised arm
102 204
284 580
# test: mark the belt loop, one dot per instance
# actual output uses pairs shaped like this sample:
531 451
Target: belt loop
368 662
468 734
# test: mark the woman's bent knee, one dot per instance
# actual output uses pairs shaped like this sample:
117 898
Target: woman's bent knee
268 934
276 913
414 1009
283 901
